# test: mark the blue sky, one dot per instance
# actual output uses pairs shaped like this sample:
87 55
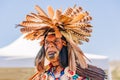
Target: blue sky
105 38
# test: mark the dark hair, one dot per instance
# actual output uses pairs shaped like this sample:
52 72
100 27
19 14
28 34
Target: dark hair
39 60
63 58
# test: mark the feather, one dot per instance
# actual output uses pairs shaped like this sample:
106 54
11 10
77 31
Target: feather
76 38
80 29
27 29
80 32
89 30
24 30
76 11
45 19
72 63
30 36
80 42
79 25
32 18
68 11
79 54
65 19
83 39
30 24
86 19
57 15
79 9
50 12
34 15
93 72
40 11
78 17
57 33
38 36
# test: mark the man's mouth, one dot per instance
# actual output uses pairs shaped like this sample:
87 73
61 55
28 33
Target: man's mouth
51 54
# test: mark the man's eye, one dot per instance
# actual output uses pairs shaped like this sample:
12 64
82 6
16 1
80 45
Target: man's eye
46 42
57 40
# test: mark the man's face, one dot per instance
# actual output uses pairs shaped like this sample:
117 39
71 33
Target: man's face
52 47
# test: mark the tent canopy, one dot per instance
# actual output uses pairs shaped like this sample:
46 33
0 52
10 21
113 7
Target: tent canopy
21 53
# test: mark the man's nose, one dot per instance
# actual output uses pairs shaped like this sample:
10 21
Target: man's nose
51 44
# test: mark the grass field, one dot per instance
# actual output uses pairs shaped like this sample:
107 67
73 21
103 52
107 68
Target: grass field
16 73
26 73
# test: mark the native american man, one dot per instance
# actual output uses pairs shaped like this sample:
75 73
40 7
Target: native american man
56 51
60 33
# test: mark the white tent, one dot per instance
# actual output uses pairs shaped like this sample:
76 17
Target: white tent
21 53
21 48
27 50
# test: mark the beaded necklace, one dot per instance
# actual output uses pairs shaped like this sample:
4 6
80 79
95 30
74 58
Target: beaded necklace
51 73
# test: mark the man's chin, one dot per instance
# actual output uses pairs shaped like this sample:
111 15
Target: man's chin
52 59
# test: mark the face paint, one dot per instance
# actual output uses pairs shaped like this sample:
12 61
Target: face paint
53 46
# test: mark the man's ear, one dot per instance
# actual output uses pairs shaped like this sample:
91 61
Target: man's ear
42 42
64 43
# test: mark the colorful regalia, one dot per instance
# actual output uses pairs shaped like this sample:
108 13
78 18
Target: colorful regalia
71 28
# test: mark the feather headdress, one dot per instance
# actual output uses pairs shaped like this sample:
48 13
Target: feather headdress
73 24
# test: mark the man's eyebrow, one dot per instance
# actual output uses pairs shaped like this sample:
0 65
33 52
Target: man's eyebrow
58 38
